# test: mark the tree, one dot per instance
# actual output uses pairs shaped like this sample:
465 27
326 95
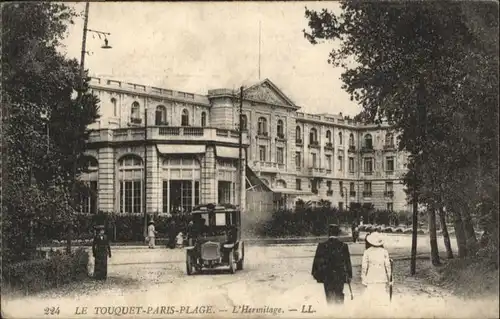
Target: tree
430 70
38 84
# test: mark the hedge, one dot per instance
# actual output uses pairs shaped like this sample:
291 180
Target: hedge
37 275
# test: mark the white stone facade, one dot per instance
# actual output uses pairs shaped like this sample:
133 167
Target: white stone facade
193 149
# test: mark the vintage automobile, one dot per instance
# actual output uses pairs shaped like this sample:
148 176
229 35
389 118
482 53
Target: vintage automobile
214 239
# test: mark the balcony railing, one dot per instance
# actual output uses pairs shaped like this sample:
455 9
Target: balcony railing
367 194
281 136
299 142
389 194
329 192
269 166
314 144
167 133
368 172
389 147
366 149
315 171
351 149
352 193
329 146
135 120
262 134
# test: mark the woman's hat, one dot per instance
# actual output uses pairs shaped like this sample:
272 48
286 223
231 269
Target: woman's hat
375 239
151 222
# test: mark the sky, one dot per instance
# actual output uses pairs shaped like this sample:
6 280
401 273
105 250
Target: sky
197 46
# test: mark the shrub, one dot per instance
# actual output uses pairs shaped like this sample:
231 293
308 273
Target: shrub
36 275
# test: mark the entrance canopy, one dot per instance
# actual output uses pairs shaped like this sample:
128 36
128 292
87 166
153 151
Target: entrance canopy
285 191
180 149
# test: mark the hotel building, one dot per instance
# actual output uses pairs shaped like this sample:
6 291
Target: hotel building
188 145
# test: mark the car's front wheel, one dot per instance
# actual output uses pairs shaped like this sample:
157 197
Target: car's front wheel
232 263
239 264
189 264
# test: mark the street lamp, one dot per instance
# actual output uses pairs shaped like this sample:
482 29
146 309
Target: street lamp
145 186
79 100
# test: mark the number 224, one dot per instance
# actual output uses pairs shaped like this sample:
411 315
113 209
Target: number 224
51 310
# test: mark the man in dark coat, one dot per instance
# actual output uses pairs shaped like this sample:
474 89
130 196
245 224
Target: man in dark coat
101 251
332 266
172 233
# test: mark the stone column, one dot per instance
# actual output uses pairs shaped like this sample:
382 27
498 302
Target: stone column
106 180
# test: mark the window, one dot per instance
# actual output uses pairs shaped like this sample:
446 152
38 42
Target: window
88 199
329 185
328 160
314 162
244 122
181 195
185 118
262 153
161 115
280 130
115 108
390 207
368 141
368 165
298 135
341 162
351 164
262 126
341 188
280 155
389 139
313 136
130 177
328 136
298 160
368 187
340 138
203 119
352 187
367 190
341 205
389 186
389 164
298 184
351 140
314 186
135 114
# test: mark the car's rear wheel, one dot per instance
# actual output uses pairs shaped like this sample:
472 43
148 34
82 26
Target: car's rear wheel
189 264
232 263
239 264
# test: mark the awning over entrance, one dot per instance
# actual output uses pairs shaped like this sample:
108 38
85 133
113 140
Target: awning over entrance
254 183
290 191
180 149
228 152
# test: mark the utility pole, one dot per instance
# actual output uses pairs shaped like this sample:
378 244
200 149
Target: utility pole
240 155
145 186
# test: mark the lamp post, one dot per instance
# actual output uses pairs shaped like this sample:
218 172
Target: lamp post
79 100
145 186
344 189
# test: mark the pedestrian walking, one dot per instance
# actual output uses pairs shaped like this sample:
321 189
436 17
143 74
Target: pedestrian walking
355 231
179 240
101 251
332 266
172 232
151 234
376 272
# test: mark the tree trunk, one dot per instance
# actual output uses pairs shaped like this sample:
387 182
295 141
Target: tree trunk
459 232
446 236
433 237
470 234
413 264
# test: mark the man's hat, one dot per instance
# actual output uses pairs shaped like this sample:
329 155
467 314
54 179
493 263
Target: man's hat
99 227
333 229
375 239
151 222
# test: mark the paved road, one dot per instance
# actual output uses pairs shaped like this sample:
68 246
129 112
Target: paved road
276 279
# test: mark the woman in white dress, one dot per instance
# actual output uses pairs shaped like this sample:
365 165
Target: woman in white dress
376 272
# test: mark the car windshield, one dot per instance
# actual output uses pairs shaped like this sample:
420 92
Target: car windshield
214 223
